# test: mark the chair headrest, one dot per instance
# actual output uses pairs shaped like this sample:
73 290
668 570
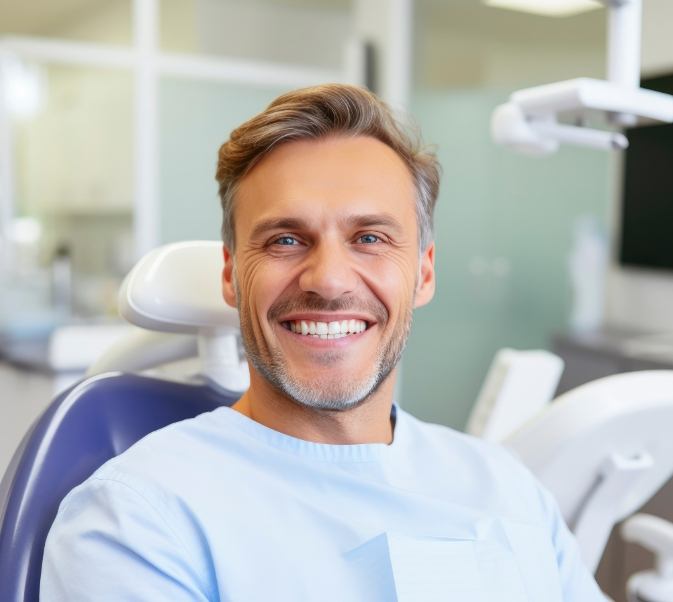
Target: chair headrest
177 288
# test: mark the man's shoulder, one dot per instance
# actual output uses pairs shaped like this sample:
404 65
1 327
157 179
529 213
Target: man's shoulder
473 464
168 457
444 440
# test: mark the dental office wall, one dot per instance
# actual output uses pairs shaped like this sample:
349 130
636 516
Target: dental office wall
504 221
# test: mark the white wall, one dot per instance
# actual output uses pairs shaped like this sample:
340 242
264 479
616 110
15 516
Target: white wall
252 29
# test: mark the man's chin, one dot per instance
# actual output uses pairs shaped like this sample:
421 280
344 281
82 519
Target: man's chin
329 396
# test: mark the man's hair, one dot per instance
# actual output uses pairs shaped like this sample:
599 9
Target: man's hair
320 112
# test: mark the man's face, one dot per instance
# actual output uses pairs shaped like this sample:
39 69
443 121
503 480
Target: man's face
326 269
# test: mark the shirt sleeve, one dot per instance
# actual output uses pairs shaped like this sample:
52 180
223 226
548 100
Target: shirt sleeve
577 583
110 543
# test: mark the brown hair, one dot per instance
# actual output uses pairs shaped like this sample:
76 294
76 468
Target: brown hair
318 112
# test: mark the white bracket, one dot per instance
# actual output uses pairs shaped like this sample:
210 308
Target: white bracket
617 475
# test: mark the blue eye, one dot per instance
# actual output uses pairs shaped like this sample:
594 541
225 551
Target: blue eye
286 241
369 239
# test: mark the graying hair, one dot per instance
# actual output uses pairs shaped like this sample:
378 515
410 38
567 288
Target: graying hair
319 112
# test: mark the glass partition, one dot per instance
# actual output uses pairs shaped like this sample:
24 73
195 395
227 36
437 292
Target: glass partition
311 34
72 174
195 119
503 233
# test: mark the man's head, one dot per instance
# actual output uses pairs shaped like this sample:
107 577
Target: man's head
327 227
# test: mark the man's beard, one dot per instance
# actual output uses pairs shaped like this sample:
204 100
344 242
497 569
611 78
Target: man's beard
324 393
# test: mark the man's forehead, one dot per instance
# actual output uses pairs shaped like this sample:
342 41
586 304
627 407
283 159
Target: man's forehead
334 162
357 175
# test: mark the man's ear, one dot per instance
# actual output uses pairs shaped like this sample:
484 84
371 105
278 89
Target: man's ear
228 290
425 289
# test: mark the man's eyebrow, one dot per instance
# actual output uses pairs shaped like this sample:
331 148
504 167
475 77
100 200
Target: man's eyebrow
277 223
373 219
352 221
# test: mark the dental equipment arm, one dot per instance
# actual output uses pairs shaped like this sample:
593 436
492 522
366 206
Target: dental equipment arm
529 122
656 535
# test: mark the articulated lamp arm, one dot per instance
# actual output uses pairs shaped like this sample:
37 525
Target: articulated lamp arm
529 122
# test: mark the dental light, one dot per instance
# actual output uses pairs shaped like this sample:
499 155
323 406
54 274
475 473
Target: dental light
529 122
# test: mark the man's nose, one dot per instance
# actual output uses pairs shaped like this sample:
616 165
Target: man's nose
329 271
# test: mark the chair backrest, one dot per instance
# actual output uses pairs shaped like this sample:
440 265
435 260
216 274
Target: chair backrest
79 431
603 450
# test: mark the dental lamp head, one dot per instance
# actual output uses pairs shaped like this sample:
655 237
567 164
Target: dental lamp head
531 121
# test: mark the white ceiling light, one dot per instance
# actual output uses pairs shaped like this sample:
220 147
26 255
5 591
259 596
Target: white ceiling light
549 8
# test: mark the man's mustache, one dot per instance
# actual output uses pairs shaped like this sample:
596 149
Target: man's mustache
315 303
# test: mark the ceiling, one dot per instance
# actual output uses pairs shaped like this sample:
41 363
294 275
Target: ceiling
467 15
32 18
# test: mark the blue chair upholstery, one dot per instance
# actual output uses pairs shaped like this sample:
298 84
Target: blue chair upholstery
80 430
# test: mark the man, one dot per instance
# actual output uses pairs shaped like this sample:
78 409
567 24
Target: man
315 486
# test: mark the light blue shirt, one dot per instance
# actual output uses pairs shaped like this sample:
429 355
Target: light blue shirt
222 508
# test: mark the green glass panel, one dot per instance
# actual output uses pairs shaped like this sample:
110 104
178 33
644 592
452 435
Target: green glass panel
195 119
503 229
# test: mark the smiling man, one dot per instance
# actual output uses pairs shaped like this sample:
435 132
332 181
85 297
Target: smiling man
315 485
326 270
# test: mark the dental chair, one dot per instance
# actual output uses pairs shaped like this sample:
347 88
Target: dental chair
108 412
602 449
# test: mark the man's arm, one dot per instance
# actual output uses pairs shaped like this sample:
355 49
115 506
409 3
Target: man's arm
110 542
576 581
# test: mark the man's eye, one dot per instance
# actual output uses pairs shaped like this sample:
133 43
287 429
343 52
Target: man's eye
286 241
368 239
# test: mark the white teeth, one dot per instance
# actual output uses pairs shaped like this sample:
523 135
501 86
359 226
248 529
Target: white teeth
326 330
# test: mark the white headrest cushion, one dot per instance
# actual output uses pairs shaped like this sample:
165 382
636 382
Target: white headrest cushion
177 288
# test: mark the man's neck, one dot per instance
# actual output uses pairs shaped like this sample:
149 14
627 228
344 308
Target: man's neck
369 422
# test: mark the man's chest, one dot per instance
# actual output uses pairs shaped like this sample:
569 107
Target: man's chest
405 550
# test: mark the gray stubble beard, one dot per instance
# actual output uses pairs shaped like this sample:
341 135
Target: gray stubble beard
323 396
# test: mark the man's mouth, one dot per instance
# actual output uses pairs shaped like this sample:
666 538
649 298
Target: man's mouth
326 330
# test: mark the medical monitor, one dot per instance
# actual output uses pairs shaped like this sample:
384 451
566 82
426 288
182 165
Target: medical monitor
646 238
